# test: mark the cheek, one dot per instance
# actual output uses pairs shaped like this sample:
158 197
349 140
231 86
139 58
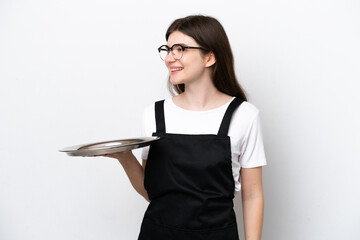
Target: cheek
196 68
167 65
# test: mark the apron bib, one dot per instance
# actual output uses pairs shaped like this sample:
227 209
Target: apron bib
190 184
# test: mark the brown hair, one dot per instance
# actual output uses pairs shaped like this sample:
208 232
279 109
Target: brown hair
209 34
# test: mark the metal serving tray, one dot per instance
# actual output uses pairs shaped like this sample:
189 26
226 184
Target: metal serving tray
107 147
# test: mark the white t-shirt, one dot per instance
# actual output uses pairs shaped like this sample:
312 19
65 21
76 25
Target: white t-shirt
246 139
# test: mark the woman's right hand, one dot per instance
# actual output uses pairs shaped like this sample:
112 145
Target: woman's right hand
120 155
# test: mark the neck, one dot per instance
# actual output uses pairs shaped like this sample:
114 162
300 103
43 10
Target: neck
201 96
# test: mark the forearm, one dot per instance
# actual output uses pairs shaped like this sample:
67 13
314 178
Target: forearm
135 172
253 211
253 202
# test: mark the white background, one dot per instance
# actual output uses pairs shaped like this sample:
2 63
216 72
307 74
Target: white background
76 71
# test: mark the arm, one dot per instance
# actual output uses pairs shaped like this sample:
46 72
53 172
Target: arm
133 170
252 201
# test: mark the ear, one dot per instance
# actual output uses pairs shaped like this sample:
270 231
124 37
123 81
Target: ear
210 59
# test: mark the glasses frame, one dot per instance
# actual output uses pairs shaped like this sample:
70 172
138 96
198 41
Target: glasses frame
170 49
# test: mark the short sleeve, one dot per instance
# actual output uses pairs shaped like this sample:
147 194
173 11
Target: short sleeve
253 154
148 125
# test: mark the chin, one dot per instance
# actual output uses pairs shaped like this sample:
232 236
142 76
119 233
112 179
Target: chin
176 81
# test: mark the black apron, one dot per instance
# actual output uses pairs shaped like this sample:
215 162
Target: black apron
190 184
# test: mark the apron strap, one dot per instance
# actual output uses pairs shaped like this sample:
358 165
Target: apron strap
159 117
225 124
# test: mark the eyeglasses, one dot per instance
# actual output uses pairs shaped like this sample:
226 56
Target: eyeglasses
176 50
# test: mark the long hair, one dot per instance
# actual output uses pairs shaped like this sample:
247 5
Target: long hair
209 34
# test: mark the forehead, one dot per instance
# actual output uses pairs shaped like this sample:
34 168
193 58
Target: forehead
178 37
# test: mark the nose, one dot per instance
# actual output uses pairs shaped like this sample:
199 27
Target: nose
169 57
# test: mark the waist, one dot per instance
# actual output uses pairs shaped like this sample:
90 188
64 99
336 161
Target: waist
188 212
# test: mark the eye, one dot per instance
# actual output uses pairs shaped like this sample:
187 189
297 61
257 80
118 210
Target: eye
178 48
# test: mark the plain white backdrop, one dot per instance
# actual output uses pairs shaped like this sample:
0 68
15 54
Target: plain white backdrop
81 71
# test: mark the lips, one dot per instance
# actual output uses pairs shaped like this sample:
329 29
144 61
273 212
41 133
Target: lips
174 69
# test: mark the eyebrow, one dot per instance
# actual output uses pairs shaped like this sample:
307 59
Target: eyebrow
183 44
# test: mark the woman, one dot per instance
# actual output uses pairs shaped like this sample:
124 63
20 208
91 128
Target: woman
210 141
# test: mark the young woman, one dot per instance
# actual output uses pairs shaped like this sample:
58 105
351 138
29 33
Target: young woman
210 142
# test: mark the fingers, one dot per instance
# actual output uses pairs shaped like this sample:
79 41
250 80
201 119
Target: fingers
116 155
101 155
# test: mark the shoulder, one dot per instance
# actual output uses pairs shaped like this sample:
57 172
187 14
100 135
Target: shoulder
246 111
244 118
148 119
149 110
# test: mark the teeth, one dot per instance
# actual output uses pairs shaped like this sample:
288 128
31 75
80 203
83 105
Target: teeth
176 69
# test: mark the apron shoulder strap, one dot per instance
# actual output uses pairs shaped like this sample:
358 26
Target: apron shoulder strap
159 117
225 124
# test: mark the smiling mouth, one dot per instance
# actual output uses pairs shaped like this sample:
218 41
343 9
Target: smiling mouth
176 69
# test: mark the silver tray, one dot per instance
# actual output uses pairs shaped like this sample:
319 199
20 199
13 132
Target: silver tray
107 147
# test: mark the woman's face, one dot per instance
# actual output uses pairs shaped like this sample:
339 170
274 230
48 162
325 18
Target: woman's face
191 66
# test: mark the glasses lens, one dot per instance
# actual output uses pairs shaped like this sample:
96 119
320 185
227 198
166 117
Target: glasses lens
163 52
177 51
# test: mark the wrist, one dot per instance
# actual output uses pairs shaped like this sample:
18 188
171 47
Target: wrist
124 156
